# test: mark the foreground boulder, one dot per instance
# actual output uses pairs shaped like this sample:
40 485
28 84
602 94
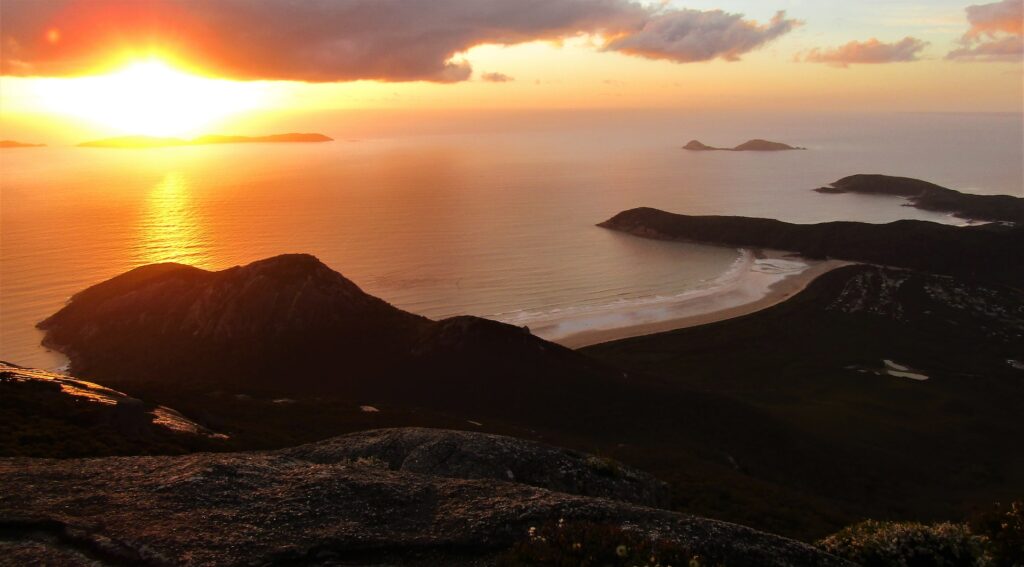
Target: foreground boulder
311 505
467 455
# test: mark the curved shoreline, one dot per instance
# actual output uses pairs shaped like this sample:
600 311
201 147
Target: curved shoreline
754 290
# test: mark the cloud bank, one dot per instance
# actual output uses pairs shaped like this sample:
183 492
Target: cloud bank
870 51
346 40
685 36
996 33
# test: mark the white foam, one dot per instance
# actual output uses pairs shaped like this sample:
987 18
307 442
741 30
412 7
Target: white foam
747 280
901 371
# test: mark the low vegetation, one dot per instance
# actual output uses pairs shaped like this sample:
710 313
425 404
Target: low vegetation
991 539
907 544
583 543
1003 528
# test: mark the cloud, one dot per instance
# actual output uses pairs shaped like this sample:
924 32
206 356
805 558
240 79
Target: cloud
1007 48
991 19
685 36
496 78
995 33
347 40
870 51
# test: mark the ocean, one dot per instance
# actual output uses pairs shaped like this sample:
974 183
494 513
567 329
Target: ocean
491 215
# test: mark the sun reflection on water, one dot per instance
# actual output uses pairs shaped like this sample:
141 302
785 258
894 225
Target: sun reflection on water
171 229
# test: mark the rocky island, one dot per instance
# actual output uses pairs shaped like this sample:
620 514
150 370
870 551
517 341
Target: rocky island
932 197
748 146
156 142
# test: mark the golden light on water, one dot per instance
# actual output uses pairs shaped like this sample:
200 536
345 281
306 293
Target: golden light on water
171 229
148 97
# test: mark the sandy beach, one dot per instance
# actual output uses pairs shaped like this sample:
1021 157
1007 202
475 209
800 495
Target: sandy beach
765 278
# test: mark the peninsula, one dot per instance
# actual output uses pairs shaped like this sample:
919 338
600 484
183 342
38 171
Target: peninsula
932 197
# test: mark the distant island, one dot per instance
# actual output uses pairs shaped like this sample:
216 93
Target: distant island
932 197
748 146
157 142
14 144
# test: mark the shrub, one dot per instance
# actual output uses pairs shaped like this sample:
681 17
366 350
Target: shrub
1003 527
906 544
583 543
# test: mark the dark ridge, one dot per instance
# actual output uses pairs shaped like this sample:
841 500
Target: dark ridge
244 326
156 142
52 415
748 146
932 197
290 325
987 252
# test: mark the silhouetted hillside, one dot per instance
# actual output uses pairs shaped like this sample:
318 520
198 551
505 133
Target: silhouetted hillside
919 378
286 350
985 252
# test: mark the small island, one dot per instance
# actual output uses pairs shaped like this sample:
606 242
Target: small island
756 145
931 197
158 142
15 144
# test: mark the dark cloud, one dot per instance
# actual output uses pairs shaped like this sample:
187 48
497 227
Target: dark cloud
1009 48
995 34
870 51
496 78
685 36
344 40
999 17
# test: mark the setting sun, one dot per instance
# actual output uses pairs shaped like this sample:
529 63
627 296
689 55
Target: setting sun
148 97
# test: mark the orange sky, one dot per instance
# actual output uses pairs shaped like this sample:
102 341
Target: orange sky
581 70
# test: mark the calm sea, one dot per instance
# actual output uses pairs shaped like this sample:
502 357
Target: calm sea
490 215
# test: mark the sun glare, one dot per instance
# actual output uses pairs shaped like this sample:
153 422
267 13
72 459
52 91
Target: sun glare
149 97
172 229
